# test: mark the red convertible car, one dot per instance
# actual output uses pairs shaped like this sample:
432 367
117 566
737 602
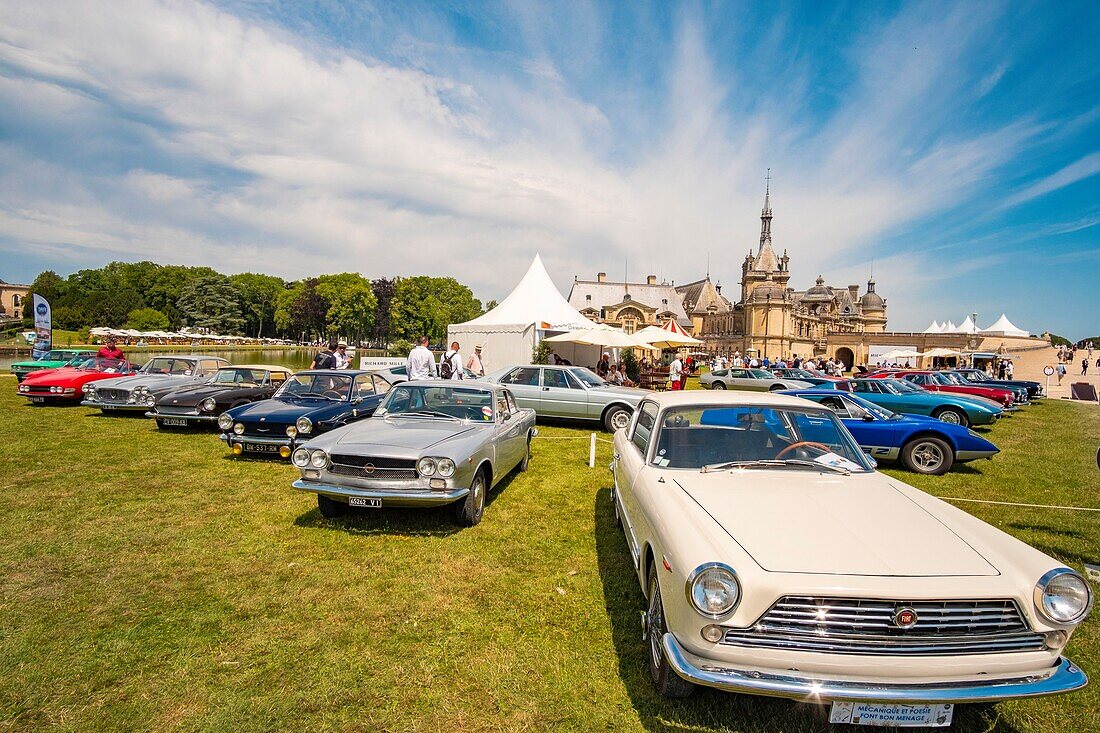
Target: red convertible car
66 385
936 382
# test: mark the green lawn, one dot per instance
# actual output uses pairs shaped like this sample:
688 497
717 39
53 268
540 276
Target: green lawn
149 582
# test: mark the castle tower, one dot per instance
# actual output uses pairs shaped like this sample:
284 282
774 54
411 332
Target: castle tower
764 292
874 309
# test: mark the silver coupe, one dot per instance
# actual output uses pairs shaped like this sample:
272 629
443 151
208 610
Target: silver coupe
430 443
159 376
755 380
570 392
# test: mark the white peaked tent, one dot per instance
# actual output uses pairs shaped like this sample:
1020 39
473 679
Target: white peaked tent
967 326
509 332
1004 327
950 327
933 327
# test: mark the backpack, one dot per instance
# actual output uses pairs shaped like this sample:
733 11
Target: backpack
446 366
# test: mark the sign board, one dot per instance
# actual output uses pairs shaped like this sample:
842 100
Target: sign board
875 352
380 362
43 328
1048 370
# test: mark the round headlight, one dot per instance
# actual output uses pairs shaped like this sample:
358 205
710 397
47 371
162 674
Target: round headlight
445 467
713 590
303 424
1063 596
225 422
87 388
238 428
291 431
300 458
426 466
209 404
150 399
318 458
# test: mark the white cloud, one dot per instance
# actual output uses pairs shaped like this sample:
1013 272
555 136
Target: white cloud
283 156
1072 173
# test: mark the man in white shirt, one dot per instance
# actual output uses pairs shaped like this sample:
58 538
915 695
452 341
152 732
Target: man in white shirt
341 354
474 363
421 363
675 369
454 360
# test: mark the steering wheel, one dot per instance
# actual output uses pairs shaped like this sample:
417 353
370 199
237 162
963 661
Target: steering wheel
801 444
333 394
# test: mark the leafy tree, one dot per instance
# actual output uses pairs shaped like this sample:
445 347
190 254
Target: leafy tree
50 286
425 305
489 305
400 348
541 353
211 303
259 295
630 365
147 319
301 311
383 289
351 304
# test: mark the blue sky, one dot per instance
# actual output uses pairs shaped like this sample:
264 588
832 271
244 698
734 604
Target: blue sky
954 146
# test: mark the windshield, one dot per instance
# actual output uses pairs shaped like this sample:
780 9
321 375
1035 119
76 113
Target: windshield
587 377
761 374
799 374
714 436
168 365
331 386
900 386
57 356
953 378
464 403
239 377
96 364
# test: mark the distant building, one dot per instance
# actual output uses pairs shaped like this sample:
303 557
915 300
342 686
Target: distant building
773 319
634 305
12 297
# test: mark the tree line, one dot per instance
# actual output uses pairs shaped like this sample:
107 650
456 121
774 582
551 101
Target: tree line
146 296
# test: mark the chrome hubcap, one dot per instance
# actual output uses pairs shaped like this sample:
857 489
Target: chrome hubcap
620 419
655 625
950 416
927 456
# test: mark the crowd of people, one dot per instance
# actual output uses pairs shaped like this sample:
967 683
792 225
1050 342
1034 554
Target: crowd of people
1068 355
828 367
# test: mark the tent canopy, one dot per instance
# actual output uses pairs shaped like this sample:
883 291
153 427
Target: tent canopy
602 336
534 301
1005 327
933 327
940 351
670 336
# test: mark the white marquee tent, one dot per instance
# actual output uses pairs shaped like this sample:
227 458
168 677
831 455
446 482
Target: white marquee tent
509 332
1004 327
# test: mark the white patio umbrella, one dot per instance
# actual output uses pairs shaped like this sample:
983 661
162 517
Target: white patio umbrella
940 351
602 336
663 338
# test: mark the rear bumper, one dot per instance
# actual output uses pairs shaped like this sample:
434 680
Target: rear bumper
1064 676
398 498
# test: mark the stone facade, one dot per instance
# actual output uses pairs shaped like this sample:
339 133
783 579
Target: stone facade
12 297
634 305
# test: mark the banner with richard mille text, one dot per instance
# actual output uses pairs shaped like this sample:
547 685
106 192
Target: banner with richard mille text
43 328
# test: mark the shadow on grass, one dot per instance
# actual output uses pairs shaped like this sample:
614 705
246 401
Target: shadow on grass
707 708
407 521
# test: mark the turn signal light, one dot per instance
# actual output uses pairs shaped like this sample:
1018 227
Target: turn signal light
284 451
238 449
712 633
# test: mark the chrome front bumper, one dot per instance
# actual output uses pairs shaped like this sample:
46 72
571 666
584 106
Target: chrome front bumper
232 438
203 418
115 405
389 497
1065 676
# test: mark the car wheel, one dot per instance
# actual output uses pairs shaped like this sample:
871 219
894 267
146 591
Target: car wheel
667 682
776 387
330 508
526 462
928 455
718 385
616 418
952 416
468 510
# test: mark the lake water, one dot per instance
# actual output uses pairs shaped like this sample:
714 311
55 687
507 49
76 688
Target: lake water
294 358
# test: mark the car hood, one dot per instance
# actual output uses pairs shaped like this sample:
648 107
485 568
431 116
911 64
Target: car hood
193 394
150 380
414 433
793 521
287 411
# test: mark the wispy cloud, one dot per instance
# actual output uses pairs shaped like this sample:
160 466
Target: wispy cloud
1072 173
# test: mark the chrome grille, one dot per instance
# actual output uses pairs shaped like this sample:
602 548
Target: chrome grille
38 389
866 626
176 410
106 394
394 469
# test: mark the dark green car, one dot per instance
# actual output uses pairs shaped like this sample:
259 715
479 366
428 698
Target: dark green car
53 360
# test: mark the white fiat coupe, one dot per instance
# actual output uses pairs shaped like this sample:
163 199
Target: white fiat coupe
776 561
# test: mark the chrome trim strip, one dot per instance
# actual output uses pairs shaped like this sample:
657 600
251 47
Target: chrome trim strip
168 416
417 498
115 405
232 438
1062 677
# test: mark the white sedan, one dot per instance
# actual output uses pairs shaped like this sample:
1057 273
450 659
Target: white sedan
776 561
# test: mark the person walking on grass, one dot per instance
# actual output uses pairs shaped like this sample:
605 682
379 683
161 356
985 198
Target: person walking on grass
675 372
420 364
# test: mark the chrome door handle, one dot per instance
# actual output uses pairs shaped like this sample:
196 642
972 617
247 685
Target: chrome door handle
616 455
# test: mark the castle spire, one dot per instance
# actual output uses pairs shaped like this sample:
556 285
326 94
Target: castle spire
766 215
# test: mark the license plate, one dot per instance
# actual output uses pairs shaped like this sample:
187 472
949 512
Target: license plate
38 399
177 421
365 502
900 716
259 448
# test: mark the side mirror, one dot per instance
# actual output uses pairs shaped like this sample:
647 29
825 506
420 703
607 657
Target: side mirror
868 417
505 416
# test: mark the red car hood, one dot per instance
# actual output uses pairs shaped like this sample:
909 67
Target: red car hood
1001 396
69 377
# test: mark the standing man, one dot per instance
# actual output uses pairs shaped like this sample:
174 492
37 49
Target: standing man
341 355
603 366
1084 366
110 351
474 362
420 364
450 364
326 358
1008 370
675 372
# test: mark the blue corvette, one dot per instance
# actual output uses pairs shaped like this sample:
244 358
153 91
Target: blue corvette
922 444
309 403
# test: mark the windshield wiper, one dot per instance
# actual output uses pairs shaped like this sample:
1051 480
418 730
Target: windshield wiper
427 413
764 463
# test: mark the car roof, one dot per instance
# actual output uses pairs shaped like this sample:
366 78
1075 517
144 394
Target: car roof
334 372
188 356
679 398
265 367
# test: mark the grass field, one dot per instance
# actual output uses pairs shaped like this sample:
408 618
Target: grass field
150 582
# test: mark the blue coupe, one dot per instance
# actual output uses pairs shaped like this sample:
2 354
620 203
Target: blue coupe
308 404
900 395
922 444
